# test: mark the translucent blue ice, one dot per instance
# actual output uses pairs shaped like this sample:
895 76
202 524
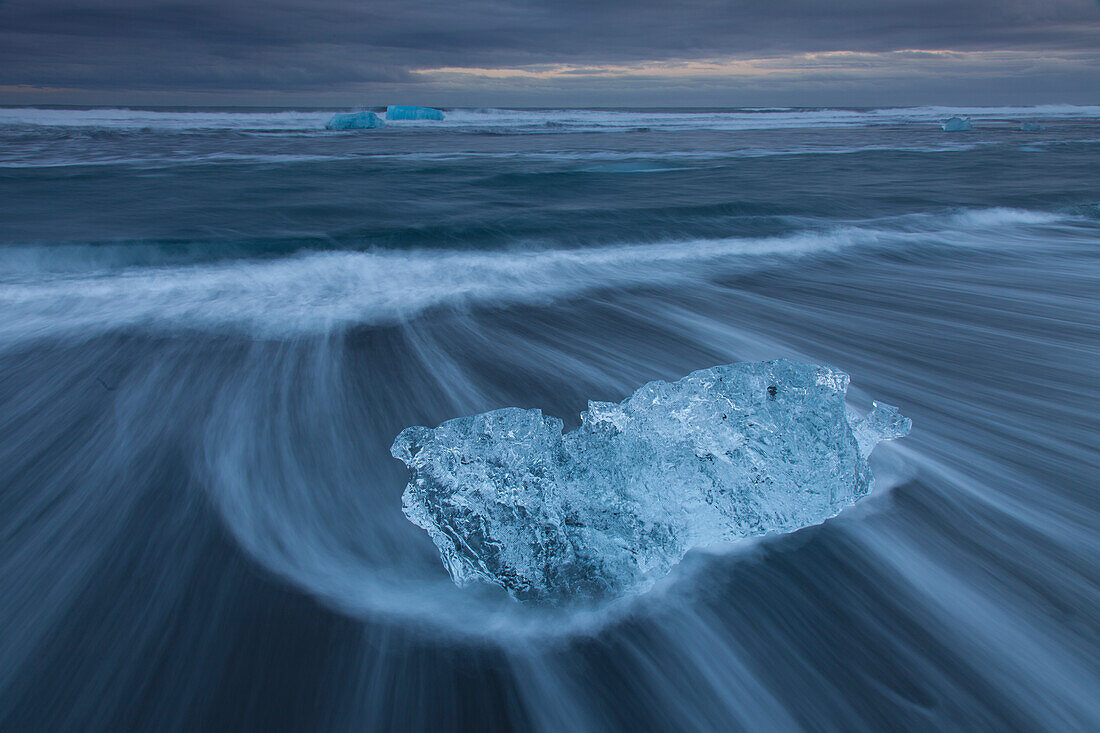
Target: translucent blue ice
957 124
406 112
355 121
609 508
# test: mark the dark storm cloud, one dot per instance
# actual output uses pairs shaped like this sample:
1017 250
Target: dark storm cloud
329 44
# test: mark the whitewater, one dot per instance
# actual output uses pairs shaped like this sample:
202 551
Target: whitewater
216 322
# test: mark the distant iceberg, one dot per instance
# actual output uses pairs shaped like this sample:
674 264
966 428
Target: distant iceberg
1030 127
355 121
609 508
406 112
957 124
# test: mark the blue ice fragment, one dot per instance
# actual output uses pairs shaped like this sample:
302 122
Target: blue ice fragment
957 124
355 121
1030 127
609 508
406 112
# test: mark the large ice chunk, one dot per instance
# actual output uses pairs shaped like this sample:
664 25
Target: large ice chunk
611 507
407 112
355 121
957 124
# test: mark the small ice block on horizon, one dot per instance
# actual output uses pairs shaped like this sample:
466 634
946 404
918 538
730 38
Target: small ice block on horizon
957 124
408 112
611 507
355 121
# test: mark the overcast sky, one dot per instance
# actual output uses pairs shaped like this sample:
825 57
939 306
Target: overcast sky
562 52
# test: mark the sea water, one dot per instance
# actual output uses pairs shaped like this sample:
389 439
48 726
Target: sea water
214 323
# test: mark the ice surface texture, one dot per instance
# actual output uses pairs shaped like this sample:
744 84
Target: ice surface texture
957 124
405 112
355 121
611 507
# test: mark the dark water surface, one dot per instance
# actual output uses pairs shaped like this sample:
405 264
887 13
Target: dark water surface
213 324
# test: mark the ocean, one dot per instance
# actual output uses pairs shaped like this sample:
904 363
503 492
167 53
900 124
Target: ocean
214 322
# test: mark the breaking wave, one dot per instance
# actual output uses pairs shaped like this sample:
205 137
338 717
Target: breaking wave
82 291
